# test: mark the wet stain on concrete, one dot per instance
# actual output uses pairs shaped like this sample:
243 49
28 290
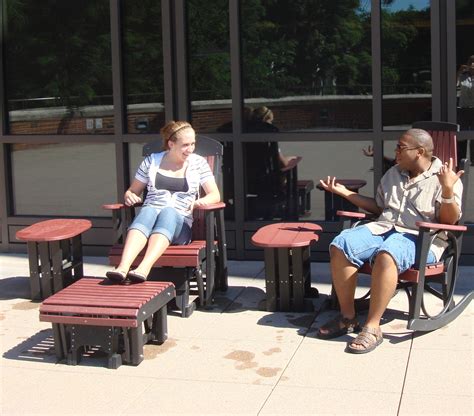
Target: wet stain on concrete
272 351
268 371
246 365
243 359
26 306
151 351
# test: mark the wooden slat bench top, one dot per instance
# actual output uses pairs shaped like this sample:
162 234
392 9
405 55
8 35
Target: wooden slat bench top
287 235
54 230
93 301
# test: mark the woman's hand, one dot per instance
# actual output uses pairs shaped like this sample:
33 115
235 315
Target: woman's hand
447 176
330 185
131 199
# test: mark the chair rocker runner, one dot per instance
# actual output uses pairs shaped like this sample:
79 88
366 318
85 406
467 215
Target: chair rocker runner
199 268
438 279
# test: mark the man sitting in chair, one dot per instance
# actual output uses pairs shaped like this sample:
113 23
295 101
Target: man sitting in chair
418 188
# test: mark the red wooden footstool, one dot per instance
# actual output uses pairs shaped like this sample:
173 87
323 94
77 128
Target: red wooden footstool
119 319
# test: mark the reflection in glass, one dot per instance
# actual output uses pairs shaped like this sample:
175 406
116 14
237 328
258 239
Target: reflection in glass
63 179
406 63
209 65
309 64
58 84
465 89
143 65
270 193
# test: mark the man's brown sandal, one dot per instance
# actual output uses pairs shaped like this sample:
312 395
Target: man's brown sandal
366 340
332 328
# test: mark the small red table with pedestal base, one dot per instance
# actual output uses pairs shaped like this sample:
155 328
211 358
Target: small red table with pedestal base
287 264
54 254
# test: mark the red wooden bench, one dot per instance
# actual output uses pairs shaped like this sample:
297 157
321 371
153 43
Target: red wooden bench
287 264
118 318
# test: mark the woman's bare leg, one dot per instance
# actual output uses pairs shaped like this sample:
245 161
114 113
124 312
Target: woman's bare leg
157 244
134 244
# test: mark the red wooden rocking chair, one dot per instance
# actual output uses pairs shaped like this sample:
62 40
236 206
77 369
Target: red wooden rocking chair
438 279
200 266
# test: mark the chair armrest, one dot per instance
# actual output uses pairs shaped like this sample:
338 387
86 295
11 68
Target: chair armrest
113 207
119 205
212 207
440 227
292 164
351 214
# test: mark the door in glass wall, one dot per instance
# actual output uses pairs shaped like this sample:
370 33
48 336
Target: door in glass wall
406 63
306 66
58 67
465 90
143 65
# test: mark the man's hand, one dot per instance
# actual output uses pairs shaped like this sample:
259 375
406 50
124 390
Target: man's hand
447 176
336 188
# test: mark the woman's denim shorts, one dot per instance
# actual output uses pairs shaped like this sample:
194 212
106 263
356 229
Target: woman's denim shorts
166 221
359 245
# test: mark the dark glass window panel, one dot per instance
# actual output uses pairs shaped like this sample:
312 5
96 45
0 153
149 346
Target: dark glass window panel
465 90
209 65
309 63
268 194
143 65
58 67
406 63
63 179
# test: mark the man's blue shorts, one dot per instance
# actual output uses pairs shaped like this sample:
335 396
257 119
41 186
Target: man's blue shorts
359 245
167 221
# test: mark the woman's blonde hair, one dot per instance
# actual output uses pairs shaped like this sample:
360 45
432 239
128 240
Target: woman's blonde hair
170 130
263 114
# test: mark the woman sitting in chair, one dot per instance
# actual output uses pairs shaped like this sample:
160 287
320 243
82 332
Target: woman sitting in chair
173 179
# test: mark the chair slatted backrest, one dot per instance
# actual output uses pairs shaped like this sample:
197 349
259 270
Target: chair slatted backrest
445 146
212 151
444 138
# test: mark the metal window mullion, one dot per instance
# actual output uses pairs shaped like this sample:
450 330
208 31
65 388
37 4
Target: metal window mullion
167 37
237 101
436 63
377 101
121 148
180 61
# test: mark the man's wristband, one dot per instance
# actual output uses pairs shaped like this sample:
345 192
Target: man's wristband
447 200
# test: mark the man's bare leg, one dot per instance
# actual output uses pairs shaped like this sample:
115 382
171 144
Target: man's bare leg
383 285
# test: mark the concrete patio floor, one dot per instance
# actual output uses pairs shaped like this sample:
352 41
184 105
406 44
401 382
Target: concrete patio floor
236 359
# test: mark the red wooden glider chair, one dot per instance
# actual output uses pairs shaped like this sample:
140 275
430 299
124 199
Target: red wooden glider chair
199 268
438 279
